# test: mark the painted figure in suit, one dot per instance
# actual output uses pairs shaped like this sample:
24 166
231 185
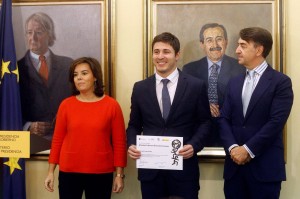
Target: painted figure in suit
213 41
189 117
256 108
40 96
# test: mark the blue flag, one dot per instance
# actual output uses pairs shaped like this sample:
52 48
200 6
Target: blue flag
13 169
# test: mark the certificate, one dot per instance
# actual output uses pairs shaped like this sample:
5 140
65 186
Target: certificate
159 152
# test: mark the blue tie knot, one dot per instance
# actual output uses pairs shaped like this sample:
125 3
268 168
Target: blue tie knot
165 81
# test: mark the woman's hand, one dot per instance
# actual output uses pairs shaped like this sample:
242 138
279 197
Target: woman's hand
49 182
118 184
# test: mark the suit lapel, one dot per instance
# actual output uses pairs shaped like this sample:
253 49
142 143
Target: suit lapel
264 82
238 93
151 84
203 71
224 74
181 86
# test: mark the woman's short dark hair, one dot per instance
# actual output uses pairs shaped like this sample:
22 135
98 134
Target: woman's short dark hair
97 73
259 36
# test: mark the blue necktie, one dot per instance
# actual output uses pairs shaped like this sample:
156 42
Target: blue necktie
166 101
248 90
212 84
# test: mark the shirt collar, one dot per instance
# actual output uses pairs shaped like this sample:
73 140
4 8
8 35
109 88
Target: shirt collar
210 63
260 68
172 77
36 56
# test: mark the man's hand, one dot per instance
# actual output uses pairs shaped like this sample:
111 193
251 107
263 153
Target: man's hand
240 155
133 152
214 110
187 151
41 128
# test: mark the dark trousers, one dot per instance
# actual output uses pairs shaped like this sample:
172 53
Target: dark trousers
95 186
244 185
165 186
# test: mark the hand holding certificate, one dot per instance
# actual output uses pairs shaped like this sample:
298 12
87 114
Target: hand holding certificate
159 152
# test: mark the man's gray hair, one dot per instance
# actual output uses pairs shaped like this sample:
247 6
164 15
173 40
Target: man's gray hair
46 22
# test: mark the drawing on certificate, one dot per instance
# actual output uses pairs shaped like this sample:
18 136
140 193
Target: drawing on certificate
159 152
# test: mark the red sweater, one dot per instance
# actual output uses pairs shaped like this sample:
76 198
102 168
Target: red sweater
89 137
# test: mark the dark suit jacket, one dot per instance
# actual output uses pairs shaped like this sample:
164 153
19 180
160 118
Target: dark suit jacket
40 102
230 68
189 118
261 128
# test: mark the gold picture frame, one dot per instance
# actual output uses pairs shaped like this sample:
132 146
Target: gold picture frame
184 18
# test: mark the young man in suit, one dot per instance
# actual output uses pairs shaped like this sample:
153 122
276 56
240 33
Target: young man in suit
256 108
213 41
189 117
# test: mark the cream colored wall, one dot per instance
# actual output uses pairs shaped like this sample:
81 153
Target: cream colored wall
129 69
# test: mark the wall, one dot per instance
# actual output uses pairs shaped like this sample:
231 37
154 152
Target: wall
129 69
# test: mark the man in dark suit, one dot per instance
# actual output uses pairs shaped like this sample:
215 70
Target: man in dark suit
189 117
256 108
213 41
41 96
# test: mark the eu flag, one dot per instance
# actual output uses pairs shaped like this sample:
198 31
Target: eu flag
13 169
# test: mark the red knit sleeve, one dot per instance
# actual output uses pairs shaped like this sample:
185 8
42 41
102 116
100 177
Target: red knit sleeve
59 133
118 137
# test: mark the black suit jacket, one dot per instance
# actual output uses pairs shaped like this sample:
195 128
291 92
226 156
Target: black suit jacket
229 69
40 102
189 118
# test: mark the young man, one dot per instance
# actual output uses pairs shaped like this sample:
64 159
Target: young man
214 41
253 116
189 117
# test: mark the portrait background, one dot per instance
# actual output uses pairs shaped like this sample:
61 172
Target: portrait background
184 18
190 18
82 28
77 28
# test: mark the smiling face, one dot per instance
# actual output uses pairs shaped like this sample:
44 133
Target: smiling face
214 44
164 58
37 38
84 78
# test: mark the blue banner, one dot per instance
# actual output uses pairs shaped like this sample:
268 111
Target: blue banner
13 169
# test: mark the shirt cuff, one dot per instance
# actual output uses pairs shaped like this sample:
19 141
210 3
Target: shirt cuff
249 151
26 126
232 146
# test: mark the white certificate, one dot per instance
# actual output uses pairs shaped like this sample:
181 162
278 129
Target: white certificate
159 152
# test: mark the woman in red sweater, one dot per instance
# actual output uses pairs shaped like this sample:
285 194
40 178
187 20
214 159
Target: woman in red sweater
89 141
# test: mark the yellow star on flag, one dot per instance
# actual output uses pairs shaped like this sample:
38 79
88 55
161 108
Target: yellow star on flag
16 72
5 68
13 164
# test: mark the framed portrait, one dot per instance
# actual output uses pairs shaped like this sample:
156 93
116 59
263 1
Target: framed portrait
184 18
82 28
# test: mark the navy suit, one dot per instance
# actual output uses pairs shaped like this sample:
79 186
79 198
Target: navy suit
189 118
229 68
262 127
40 102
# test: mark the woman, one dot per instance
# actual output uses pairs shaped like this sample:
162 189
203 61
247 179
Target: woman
89 138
